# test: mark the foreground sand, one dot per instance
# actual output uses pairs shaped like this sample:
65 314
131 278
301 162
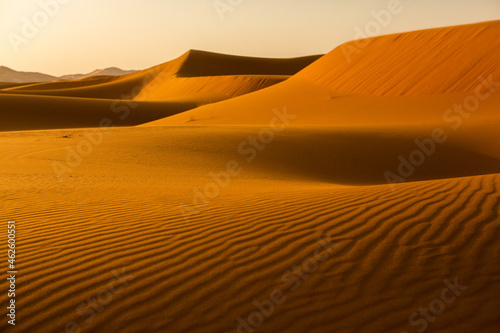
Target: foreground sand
119 208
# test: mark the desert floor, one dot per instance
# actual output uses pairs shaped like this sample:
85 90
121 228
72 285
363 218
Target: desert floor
198 264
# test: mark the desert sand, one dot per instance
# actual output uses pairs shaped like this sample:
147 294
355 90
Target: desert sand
263 196
155 93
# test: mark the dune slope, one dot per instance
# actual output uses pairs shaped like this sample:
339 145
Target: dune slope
426 62
155 83
161 91
29 112
459 66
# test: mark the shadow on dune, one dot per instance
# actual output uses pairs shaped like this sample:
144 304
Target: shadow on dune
43 112
364 158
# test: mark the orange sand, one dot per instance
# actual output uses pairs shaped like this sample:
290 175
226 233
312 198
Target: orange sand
328 136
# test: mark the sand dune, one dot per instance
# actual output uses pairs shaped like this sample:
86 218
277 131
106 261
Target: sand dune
104 88
216 77
201 63
37 112
59 85
237 75
393 249
426 62
179 85
458 62
4 85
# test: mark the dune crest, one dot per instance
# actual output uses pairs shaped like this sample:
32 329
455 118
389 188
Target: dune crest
401 78
195 78
224 76
426 62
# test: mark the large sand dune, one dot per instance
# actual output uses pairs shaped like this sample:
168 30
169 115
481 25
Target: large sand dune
439 67
264 211
246 74
427 62
179 85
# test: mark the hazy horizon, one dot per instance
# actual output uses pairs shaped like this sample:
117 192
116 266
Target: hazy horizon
76 36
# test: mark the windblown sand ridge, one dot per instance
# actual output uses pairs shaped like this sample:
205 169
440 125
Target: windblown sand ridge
427 62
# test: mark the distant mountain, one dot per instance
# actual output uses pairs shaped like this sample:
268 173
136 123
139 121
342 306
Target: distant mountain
8 75
111 71
12 76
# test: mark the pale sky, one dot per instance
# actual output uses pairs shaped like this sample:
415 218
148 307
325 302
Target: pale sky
82 35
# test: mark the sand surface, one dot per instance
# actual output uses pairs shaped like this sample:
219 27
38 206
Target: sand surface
275 194
200 271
